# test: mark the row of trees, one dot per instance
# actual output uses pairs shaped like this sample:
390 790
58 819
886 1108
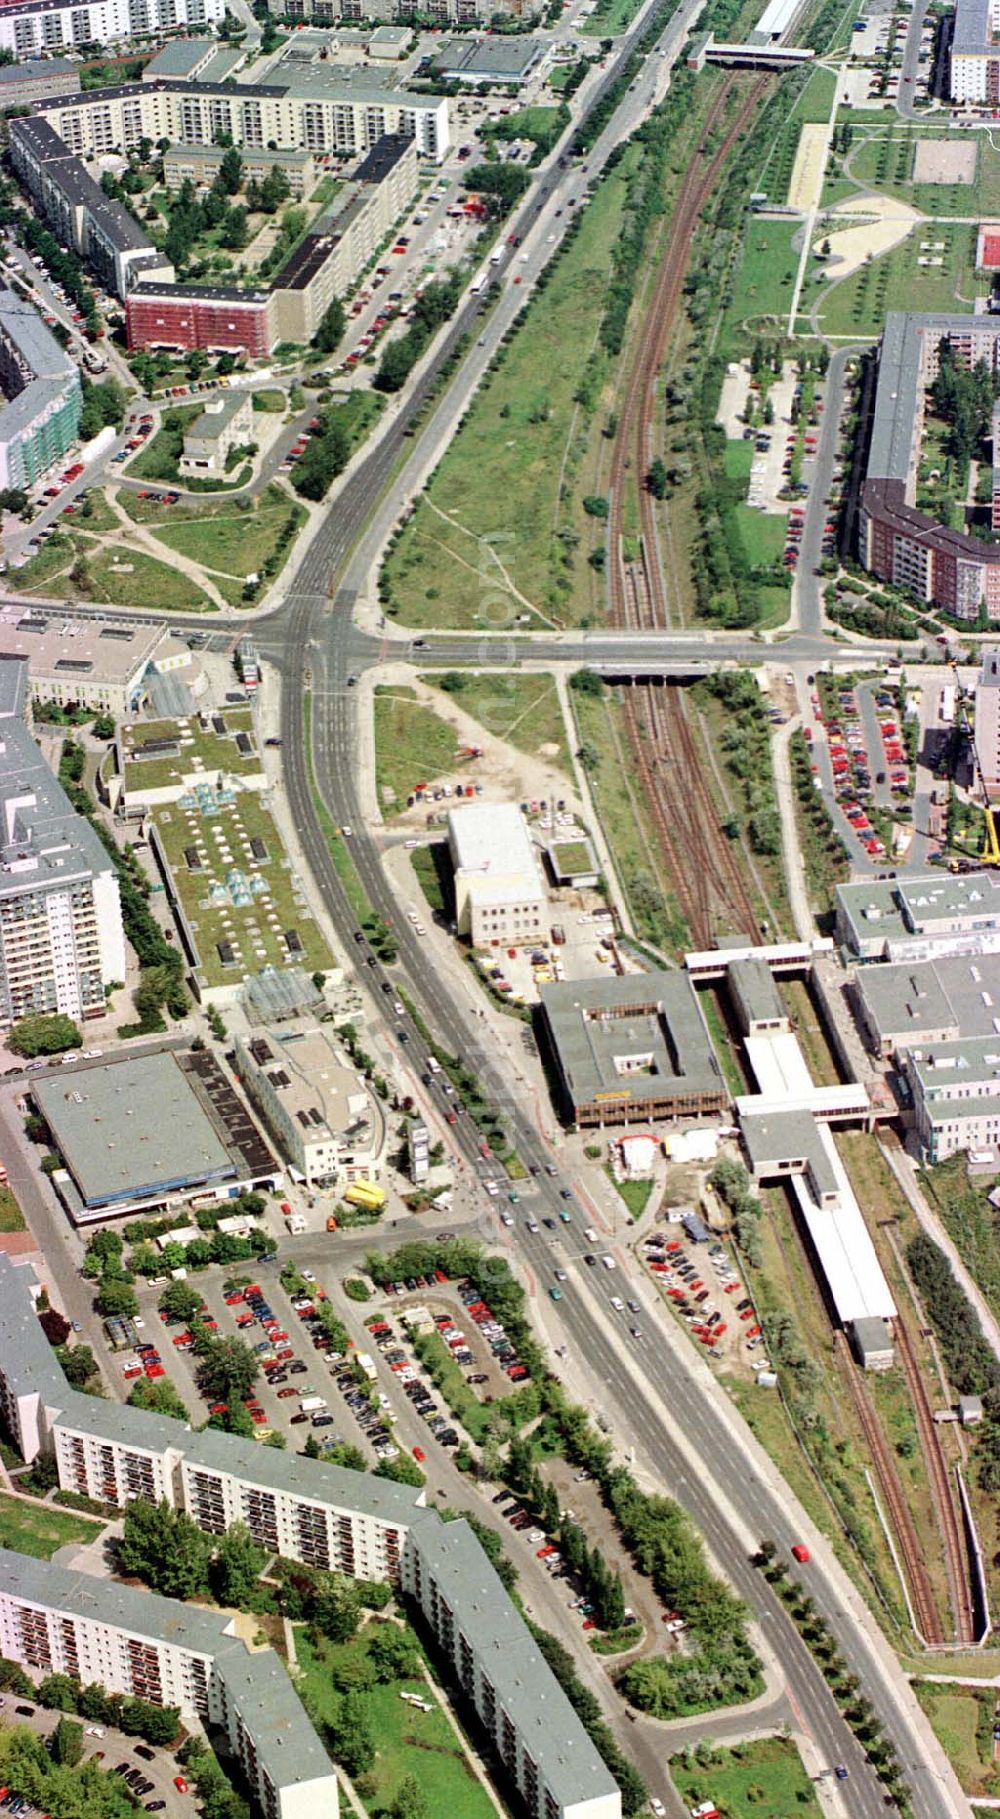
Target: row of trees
435 304
969 1359
169 1553
158 1724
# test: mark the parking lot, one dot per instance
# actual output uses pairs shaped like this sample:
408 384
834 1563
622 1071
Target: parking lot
148 1772
702 1284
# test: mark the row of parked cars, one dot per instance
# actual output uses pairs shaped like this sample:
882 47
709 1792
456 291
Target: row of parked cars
851 764
415 1386
690 1285
494 1333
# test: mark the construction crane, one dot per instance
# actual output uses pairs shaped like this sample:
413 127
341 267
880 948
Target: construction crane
991 839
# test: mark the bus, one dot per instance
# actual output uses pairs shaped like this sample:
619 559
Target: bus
365 1195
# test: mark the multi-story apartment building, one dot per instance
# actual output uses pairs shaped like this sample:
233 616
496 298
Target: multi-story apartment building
30 26
97 227
327 111
975 53
323 1515
61 937
899 541
41 418
442 12
56 1621
36 79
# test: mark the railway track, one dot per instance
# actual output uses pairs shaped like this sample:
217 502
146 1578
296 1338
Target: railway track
957 1563
926 1614
707 879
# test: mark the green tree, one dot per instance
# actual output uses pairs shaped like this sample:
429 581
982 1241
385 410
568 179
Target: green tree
79 1364
66 1743
159 1396
230 174
59 1691
44 1034
336 1611
117 1298
391 1652
164 1548
354 1735
409 1800
237 1567
234 230
404 1470
330 332
227 1368
181 1301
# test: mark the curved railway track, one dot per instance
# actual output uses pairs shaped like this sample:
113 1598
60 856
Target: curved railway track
707 880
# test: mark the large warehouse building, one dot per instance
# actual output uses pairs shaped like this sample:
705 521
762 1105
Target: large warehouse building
899 541
61 937
301 1509
136 1133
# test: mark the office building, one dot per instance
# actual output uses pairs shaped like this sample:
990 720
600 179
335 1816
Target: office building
987 729
40 420
302 1509
146 1131
88 662
224 425
500 900
956 1095
319 1111
28 27
54 1620
61 937
922 917
631 1049
914 1003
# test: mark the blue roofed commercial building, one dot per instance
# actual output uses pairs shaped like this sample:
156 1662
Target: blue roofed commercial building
301 1509
40 420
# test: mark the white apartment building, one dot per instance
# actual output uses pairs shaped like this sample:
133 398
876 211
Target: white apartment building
956 1095
53 1620
988 720
975 52
61 936
327 1124
334 113
54 25
302 1509
500 900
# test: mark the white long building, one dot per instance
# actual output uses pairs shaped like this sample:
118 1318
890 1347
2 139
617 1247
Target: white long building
61 935
56 1621
55 25
302 1509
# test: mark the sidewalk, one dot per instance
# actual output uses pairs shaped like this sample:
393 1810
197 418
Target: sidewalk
795 877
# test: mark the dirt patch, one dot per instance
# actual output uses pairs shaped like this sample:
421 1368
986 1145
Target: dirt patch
945 161
806 186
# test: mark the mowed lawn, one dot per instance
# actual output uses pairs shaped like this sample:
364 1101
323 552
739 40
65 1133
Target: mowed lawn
409 1742
897 280
234 542
961 1716
762 287
411 746
38 1529
763 1780
483 546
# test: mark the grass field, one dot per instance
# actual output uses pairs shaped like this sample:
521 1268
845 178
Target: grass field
11 1216
857 305
761 1780
609 18
110 577
409 1742
411 745
626 826
523 710
234 542
158 460
38 1529
484 546
762 286
814 104
884 161
762 533
962 1719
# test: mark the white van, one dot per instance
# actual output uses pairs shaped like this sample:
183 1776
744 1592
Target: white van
608 1261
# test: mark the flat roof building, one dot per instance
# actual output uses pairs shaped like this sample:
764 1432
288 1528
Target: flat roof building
40 420
132 1641
956 1095
630 1049
321 1114
919 917
987 729
485 62
304 1510
500 900
61 935
148 1129
28 27
756 999
35 79
917 1002
99 663
225 424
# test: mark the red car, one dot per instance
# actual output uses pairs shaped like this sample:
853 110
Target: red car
181 1785
800 1553
419 1454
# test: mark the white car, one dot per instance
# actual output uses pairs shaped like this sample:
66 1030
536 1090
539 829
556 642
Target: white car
420 929
346 831
491 1188
94 1730
507 1218
657 1806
